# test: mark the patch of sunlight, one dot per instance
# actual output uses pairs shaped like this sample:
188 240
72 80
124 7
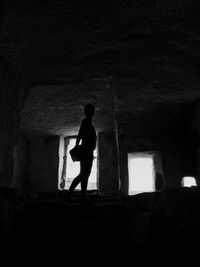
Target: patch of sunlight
141 173
73 168
188 181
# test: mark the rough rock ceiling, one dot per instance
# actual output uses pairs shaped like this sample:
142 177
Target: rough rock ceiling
59 109
150 48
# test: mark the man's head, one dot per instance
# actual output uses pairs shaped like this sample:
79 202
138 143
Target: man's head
89 110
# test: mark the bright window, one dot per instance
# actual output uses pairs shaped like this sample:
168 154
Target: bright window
72 169
188 181
141 173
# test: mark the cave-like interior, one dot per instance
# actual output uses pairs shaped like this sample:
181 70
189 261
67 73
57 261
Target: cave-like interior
138 62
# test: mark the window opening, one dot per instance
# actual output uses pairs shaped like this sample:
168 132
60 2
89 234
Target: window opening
68 169
141 173
188 181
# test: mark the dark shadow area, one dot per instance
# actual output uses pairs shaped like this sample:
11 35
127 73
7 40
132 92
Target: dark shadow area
113 231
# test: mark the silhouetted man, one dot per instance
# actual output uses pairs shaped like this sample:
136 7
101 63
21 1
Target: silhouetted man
87 135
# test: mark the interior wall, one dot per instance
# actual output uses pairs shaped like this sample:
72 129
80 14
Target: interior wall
41 172
37 160
177 159
20 163
11 100
178 146
108 163
175 147
195 136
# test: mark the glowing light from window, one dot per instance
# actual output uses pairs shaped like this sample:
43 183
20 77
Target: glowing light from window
188 181
73 168
141 174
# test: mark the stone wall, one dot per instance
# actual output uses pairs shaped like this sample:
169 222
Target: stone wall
174 143
39 171
36 163
108 163
20 163
11 101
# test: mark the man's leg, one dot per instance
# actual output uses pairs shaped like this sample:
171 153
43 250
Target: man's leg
73 185
86 167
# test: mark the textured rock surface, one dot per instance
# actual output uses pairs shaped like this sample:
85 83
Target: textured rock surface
59 41
11 100
62 49
150 48
59 109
